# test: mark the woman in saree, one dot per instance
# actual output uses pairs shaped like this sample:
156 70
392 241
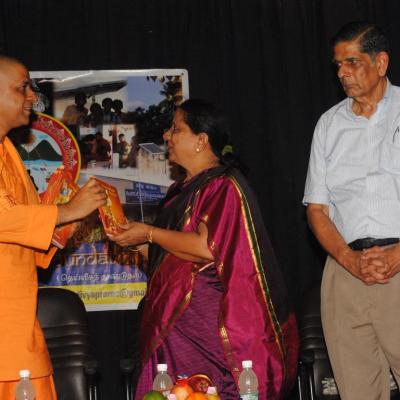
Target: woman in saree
215 293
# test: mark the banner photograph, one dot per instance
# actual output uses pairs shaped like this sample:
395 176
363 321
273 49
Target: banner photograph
108 125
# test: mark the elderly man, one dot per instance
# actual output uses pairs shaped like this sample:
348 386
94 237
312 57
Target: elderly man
26 230
353 197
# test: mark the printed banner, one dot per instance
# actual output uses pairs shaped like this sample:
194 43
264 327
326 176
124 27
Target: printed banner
144 193
102 279
113 121
49 145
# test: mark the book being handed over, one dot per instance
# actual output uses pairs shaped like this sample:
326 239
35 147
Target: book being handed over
111 214
60 189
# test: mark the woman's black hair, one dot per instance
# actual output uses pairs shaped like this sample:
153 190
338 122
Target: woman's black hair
202 116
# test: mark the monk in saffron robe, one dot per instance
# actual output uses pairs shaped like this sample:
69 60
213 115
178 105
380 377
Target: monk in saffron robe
26 229
215 294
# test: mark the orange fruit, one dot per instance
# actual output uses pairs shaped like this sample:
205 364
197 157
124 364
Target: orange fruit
181 390
197 396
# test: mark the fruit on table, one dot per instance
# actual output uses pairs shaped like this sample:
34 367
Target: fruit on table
199 382
197 396
153 395
181 389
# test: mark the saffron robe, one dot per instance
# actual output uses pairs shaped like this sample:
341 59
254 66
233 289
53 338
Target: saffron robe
26 229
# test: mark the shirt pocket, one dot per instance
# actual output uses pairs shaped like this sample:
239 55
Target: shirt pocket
387 179
390 158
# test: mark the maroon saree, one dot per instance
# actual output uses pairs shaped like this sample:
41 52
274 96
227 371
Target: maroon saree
207 318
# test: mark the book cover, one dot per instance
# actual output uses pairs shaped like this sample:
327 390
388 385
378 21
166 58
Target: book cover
60 189
112 215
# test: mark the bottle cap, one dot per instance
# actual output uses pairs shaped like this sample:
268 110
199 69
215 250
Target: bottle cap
162 367
247 364
24 373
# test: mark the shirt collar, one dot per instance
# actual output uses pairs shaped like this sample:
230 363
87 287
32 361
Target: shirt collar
381 105
386 95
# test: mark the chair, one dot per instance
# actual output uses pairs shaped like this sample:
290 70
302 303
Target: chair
315 378
127 368
63 318
314 365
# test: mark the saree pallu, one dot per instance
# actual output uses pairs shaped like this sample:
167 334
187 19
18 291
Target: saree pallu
208 318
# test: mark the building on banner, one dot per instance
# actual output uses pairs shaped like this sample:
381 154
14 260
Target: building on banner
107 124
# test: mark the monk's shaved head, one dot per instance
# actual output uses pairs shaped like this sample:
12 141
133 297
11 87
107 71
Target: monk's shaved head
16 95
7 63
8 68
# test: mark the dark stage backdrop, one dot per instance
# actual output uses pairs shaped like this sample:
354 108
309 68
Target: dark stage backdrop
265 62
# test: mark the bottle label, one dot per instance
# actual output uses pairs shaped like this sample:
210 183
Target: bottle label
250 396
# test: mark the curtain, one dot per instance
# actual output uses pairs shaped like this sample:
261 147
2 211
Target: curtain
266 63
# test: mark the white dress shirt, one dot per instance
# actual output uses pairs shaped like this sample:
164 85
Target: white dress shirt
355 168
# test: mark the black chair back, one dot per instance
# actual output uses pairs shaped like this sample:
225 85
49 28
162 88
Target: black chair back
63 318
315 370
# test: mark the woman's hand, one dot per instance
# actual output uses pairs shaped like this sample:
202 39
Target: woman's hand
134 233
190 246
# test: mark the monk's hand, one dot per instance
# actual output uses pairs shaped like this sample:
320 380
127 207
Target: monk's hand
375 267
133 234
90 196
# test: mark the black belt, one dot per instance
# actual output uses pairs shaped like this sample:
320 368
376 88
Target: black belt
368 242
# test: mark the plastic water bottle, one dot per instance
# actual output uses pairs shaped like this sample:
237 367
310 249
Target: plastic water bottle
248 382
24 389
162 382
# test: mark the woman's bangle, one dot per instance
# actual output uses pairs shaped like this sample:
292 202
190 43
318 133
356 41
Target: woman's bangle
150 235
136 249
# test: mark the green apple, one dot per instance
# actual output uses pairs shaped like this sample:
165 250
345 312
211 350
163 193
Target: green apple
153 395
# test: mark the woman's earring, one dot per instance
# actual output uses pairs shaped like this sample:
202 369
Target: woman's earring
197 150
